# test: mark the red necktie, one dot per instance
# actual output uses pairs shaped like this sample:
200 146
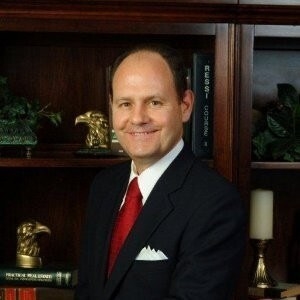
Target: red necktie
125 220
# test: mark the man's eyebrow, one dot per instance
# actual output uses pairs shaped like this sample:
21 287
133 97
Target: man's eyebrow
154 96
122 99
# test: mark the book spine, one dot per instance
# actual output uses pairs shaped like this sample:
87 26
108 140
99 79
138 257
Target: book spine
38 277
7 293
36 293
26 294
43 293
202 117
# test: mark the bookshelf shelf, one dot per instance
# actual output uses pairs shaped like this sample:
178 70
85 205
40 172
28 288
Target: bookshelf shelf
59 162
56 156
275 165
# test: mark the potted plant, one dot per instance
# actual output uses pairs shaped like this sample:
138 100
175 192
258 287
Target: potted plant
276 134
20 118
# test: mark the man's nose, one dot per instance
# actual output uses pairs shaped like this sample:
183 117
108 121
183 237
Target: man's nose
139 114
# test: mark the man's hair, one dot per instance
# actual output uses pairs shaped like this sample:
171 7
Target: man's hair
172 57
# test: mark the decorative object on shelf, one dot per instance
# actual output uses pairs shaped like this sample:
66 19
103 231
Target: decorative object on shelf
260 276
20 119
17 133
261 233
28 248
276 134
97 139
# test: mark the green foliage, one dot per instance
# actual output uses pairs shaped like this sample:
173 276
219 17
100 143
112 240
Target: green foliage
15 108
277 133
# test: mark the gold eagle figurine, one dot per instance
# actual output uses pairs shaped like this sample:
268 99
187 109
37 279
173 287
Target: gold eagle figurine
27 243
98 134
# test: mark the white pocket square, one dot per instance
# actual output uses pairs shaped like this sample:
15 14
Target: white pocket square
151 254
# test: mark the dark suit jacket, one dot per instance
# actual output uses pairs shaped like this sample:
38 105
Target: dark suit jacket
193 215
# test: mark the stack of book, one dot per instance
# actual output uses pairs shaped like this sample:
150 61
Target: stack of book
46 283
287 291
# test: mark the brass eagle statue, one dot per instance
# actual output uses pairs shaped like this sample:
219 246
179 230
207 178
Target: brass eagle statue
98 133
27 243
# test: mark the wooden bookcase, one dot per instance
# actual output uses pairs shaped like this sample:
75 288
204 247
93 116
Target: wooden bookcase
270 54
57 52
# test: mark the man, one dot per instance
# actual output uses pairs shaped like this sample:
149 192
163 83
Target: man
187 241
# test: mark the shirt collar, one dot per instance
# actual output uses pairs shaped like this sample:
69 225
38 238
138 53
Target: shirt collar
148 178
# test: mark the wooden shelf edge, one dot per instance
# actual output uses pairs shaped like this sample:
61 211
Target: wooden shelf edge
110 16
56 163
57 155
275 165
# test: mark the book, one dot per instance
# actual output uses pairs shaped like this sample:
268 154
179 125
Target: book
202 116
64 277
35 293
282 290
115 145
8 294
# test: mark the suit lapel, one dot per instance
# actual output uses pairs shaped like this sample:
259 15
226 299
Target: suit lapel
158 206
110 209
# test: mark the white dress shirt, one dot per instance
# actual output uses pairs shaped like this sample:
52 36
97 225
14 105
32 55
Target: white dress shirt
148 178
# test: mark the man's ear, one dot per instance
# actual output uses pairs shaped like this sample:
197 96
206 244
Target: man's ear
187 104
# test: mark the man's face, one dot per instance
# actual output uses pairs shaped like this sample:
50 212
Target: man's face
147 114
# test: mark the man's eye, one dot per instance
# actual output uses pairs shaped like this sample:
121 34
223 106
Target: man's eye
124 104
156 103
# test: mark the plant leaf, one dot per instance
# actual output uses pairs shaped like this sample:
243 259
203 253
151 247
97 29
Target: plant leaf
261 144
15 108
287 95
288 157
297 148
276 125
281 146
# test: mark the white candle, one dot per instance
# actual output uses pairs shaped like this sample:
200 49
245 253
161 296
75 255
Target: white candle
261 214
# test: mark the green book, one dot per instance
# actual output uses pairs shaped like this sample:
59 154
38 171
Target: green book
64 277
